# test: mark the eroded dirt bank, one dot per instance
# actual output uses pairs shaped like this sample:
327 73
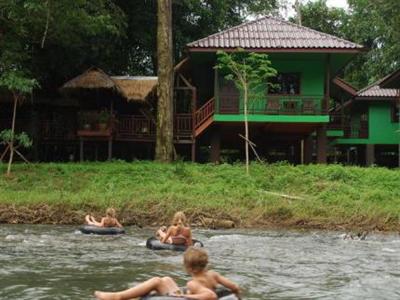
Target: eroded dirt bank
153 216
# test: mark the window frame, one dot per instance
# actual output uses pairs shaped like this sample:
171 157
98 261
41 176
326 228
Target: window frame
287 94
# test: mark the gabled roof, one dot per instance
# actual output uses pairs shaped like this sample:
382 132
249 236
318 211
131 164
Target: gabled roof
375 91
392 80
274 34
345 86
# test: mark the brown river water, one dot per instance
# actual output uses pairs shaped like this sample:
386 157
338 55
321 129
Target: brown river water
58 262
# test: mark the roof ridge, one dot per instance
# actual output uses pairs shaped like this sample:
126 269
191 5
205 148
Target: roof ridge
375 83
228 29
316 31
282 21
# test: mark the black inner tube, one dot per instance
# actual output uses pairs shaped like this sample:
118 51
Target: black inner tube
91 229
222 293
154 244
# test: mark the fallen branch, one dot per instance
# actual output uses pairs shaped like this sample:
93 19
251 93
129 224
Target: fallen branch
252 146
284 195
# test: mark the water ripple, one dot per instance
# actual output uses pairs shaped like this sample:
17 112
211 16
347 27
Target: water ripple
58 262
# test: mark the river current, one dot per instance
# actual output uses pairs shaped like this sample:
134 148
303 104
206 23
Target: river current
58 262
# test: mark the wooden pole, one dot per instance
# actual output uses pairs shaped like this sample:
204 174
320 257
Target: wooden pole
302 151
81 149
10 160
164 137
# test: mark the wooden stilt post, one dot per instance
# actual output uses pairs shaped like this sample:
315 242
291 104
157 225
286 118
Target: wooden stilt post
194 150
81 149
321 145
302 151
308 149
369 154
215 145
110 148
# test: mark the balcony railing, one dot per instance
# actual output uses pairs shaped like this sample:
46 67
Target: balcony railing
137 127
351 129
278 105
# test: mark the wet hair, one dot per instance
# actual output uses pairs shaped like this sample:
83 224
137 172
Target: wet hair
179 219
195 259
110 212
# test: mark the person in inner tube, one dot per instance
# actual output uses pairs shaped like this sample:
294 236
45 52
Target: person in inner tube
109 220
201 287
179 233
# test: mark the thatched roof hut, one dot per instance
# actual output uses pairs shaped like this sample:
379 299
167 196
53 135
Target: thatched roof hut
136 88
93 78
131 88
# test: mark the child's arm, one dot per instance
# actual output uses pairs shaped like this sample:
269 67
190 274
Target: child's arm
190 240
118 223
167 235
226 282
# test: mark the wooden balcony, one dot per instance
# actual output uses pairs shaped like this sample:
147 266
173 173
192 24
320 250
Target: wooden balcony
140 128
276 105
351 130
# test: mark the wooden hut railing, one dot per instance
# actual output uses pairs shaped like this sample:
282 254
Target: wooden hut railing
135 126
183 125
350 129
138 127
204 112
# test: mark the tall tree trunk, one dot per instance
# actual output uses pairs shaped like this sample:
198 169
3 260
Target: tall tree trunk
246 129
10 160
164 140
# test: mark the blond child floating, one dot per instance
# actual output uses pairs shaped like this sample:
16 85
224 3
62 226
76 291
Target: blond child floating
179 233
109 220
201 287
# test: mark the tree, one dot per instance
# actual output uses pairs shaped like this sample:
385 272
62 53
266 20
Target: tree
19 85
248 71
43 32
374 24
164 138
193 19
319 16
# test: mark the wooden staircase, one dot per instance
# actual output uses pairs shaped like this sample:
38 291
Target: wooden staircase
203 117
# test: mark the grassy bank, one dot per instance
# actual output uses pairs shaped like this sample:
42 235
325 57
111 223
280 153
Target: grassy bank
147 193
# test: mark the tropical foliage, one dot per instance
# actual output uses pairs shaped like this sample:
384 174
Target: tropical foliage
248 71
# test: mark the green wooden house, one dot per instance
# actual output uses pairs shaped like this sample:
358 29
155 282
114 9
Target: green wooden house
283 121
371 124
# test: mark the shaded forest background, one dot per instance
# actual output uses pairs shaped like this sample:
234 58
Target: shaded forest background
54 40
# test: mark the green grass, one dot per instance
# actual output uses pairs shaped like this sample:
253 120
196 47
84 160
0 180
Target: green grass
332 196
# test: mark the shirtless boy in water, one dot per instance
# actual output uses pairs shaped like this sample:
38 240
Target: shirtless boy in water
195 261
201 287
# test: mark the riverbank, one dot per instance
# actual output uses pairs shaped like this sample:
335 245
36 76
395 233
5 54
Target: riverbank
148 193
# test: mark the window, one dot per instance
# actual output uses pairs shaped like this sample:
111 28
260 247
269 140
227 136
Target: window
395 114
285 84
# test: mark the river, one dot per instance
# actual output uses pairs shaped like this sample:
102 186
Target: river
58 262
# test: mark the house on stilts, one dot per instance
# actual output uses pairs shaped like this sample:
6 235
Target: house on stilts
310 115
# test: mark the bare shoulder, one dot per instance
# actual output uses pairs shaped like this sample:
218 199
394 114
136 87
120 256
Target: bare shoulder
213 273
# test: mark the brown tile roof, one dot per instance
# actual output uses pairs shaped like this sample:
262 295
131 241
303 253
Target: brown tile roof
272 33
375 91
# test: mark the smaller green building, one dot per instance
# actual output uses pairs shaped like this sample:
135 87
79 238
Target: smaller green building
371 128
